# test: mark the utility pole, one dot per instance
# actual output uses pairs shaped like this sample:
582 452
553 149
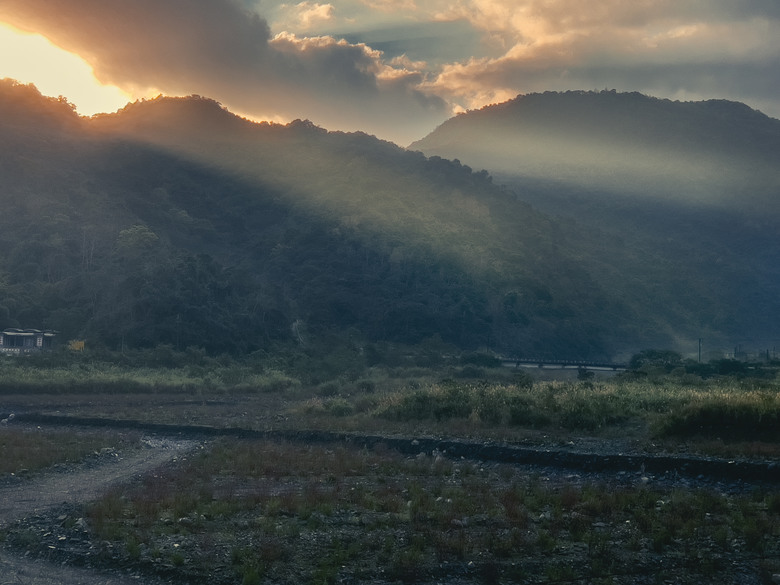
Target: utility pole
699 349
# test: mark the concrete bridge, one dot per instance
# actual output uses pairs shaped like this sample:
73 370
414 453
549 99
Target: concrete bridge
560 364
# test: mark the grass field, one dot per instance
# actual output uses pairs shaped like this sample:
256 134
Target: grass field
275 512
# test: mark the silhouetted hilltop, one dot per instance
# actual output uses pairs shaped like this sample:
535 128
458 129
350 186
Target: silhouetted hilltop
621 118
23 106
715 152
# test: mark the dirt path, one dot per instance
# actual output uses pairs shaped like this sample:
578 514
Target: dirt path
19 571
81 484
596 457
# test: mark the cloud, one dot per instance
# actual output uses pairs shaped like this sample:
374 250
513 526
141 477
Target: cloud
392 6
369 89
535 18
306 15
146 42
221 49
399 67
693 48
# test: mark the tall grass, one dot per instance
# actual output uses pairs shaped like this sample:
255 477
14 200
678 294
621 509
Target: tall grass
22 377
725 409
670 406
746 416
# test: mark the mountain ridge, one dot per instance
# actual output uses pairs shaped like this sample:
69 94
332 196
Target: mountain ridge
704 199
176 222
704 151
108 232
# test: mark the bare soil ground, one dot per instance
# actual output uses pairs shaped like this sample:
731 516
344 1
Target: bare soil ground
26 499
46 507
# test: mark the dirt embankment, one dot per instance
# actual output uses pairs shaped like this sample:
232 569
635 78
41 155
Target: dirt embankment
601 459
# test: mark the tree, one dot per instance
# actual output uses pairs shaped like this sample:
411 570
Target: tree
136 242
662 358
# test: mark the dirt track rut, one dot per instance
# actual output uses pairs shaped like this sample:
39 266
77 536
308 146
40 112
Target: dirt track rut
85 483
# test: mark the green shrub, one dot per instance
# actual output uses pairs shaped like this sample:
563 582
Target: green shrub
522 379
366 386
328 389
339 407
745 419
523 412
471 372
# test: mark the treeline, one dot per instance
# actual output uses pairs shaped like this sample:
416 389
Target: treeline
656 362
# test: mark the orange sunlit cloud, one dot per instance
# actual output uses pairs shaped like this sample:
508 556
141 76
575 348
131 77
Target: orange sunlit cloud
398 68
31 58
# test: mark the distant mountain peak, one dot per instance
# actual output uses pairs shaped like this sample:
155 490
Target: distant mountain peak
605 132
609 115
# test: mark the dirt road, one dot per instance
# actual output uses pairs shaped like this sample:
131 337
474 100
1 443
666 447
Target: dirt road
80 484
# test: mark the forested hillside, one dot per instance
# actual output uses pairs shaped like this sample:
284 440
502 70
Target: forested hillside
175 222
688 194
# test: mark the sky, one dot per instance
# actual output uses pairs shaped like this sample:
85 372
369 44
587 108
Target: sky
392 68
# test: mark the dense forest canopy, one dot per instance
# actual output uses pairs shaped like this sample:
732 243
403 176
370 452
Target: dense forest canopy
686 196
176 222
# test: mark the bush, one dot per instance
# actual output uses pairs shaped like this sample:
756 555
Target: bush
471 372
522 379
339 407
522 412
743 420
655 358
440 402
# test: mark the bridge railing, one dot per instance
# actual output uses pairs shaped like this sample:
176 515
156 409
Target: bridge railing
546 362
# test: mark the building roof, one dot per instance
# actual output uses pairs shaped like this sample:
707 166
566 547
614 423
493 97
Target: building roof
29 332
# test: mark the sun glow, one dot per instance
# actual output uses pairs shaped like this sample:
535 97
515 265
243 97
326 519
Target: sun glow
31 58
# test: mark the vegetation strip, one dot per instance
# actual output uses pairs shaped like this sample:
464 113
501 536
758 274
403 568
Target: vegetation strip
763 471
281 513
